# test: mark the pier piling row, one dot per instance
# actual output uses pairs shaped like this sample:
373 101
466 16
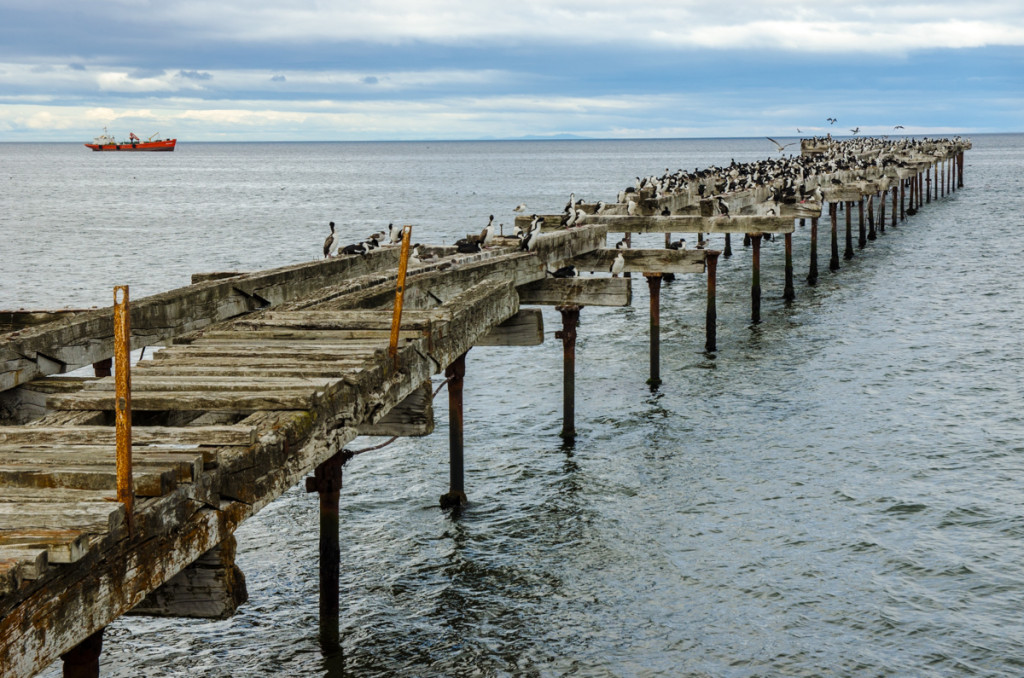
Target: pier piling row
267 377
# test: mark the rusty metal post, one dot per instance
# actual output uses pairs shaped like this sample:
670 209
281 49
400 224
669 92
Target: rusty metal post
833 264
787 292
628 237
862 234
960 169
123 402
654 286
812 271
83 660
903 199
570 318
755 278
103 368
396 316
848 253
326 482
928 183
728 245
871 217
711 317
944 173
895 207
881 210
456 495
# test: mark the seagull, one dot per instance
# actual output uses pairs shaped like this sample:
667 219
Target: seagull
780 146
898 127
331 244
855 130
617 265
831 121
521 207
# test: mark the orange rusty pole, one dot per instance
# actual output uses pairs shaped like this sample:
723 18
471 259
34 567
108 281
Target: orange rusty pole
396 318
123 403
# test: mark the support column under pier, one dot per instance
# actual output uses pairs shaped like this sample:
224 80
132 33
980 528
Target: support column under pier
83 660
326 482
456 495
570 318
654 285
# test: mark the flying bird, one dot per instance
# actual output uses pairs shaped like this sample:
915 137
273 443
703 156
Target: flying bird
855 130
780 146
898 127
831 121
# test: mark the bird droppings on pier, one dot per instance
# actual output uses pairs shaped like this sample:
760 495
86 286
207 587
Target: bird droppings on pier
267 377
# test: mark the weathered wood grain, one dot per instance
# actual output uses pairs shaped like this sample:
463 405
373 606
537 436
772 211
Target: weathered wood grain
141 435
644 261
579 291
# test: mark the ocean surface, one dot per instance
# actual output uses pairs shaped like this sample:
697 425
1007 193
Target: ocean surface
837 491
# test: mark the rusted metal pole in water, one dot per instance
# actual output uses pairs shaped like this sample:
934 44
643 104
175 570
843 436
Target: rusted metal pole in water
570 319
628 237
83 660
928 183
833 264
123 403
960 169
812 272
903 199
755 278
862 234
848 253
396 316
787 292
895 206
654 285
456 495
711 317
882 198
871 217
728 245
326 482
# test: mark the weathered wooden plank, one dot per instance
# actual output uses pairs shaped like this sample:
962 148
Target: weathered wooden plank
331 321
141 435
525 328
94 517
62 546
286 336
292 369
644 261
148 482
580 291
187 463
282 351
171 401
693 224
152 382
31 561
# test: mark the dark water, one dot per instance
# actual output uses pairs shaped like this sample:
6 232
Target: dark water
836 492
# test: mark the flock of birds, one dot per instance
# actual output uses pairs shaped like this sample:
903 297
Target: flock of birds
787 178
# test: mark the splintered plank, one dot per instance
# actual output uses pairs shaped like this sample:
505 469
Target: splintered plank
222 435
9 579
694 224
293 335
169 401
62 546
185 353
148 482
31 561
334 320
283 368
582 291
93 517
188 464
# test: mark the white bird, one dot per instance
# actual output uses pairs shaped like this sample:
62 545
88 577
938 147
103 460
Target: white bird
631 207
331 244
487 235
617 265
521 207
780 146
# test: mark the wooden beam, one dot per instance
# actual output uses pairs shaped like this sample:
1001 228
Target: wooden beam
414 416
643 261
525 328
694 224
578 291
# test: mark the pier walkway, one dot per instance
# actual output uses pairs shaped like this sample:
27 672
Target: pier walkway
263 378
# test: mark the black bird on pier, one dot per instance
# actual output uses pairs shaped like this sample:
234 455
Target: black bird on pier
565 272
677 244
466 246
723 207
330 244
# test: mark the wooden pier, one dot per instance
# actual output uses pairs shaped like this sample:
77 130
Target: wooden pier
264 378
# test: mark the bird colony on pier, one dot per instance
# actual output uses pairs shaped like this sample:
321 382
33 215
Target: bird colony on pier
265 377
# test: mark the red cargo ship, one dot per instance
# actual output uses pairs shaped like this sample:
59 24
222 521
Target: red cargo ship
105 142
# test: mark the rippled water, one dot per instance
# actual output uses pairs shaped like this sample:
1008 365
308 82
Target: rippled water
835 492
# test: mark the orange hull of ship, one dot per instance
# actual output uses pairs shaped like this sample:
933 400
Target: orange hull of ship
167 145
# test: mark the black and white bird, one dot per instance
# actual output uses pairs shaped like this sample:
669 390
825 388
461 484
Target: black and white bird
617 265
521 207
394 234
600 207
487 235
723 207
466 246
331 244
622 244
677 244
569 271
631 207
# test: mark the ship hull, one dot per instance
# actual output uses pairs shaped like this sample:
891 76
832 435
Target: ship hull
167 145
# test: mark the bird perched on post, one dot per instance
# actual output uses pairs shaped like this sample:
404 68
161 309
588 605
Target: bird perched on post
723 206
569 271
466 246
394 234
487 235
677 245
617 265
331 244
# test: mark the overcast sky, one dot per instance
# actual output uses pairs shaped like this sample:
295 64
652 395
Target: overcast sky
251 70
